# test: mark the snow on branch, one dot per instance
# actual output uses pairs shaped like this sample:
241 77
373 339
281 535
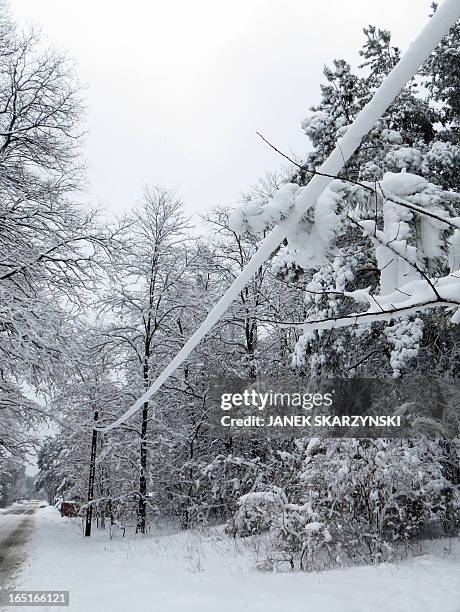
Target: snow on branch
386 310
411 230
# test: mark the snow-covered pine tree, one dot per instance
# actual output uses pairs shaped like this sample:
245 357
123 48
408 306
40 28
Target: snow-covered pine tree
388 221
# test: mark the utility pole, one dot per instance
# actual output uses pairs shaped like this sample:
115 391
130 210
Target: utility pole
92 474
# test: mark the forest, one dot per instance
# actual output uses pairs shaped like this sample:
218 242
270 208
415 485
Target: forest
366 285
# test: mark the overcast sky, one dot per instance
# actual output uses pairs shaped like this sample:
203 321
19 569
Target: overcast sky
178 88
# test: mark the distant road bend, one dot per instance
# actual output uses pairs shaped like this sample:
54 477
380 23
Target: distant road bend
16 523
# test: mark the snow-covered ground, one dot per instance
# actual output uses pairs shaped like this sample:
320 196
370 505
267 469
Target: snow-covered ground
191 572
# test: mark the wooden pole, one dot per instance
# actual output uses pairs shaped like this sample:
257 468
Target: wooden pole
92 474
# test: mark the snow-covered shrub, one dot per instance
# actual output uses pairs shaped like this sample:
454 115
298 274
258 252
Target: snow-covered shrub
301 538
257 510
357 501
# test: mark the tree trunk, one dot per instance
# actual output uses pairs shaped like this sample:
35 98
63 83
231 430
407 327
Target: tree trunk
141 519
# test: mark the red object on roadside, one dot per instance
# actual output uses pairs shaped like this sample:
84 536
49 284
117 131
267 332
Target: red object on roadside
69 508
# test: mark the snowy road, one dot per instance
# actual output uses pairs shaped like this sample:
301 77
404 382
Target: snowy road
16 524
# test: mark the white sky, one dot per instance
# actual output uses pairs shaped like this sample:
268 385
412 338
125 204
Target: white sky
178 88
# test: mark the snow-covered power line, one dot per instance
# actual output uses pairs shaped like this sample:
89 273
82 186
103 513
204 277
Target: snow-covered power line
438 26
